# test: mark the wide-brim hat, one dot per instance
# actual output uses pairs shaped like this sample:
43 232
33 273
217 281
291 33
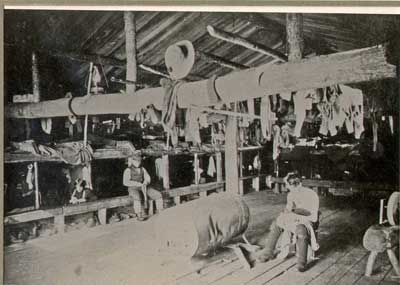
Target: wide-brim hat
179 59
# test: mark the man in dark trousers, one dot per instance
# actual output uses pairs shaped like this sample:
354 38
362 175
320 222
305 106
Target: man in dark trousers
136 178
299 218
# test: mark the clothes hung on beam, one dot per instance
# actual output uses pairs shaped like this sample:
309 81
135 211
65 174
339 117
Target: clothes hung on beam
170 105
211 170
302 102
267 118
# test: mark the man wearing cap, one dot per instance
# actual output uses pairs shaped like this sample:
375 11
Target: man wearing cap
136 178
300 218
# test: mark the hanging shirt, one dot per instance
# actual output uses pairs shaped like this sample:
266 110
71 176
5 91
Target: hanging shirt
211 167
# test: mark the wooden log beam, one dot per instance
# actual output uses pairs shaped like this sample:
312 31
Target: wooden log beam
339 68
294 34
35 78
222 35
219 60
130 50
231 156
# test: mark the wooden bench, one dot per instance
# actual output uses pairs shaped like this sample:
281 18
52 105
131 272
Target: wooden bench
201 189
59 214
315 184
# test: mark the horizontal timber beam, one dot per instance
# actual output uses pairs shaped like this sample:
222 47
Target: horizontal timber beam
339 68
234 39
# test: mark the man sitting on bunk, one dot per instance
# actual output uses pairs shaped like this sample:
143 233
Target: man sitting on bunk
82 193
136 178
299 219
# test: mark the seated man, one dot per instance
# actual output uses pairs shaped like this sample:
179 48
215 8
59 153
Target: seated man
299 217
82 193
137 179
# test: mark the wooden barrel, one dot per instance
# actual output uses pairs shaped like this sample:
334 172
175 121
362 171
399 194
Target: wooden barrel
200 226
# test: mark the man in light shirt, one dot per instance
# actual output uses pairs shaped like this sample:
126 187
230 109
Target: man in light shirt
300 217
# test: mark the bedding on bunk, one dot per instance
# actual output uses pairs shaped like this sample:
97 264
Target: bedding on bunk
74 153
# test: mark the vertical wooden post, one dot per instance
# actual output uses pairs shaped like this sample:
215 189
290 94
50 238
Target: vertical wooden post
165 164
35 78
218 160
241 181
102 214
130 48
231 156
36 173
59 223
294 32
196 168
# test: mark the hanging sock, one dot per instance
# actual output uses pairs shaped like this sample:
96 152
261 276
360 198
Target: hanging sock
391 124
46 124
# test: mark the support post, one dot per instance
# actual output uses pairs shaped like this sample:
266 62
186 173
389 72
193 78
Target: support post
218 161
231 156
165 163
35 78
59 224
37 193
241 182
196 169
130 48
102 214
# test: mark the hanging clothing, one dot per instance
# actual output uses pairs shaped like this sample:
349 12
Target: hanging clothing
153 115
250 106
170 103
276 141
266 122
257 163
87 175
211 170
299 100
286 95
159 168
391 124
192 128
46 124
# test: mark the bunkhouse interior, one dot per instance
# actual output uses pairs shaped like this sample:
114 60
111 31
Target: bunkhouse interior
160 147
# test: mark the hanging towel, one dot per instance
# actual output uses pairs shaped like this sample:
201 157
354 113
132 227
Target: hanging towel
211 167
266 123
250 106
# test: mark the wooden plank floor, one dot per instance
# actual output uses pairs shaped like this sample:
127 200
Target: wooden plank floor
126 252
341 258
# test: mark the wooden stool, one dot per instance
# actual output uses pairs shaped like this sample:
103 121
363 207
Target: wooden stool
380 238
